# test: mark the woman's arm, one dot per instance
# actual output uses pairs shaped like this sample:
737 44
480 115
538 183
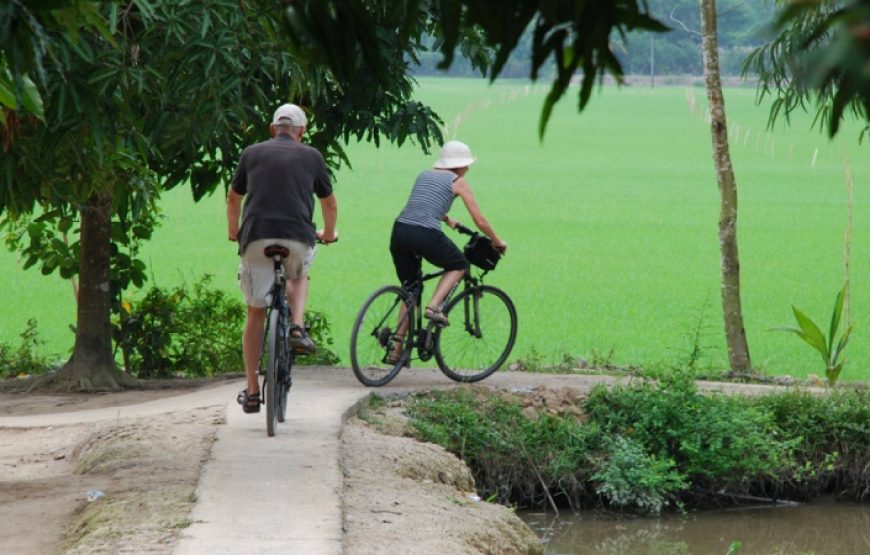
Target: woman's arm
463 189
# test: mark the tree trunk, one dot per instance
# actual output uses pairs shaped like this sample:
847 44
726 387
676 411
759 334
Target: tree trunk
735 334
92 366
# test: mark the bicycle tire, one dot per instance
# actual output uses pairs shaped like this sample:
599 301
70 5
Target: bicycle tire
271 373
372 336
284 359
481 334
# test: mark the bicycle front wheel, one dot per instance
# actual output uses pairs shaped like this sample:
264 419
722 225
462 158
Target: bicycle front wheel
380 322
481 334
284 360
275 343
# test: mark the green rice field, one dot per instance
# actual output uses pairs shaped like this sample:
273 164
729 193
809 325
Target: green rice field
611 222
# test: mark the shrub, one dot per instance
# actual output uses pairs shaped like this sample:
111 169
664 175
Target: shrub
320 331
181 333
629 477
832 437
717 441
642 446
514 459
24 359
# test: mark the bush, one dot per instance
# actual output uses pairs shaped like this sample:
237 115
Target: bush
24 359
180 333
515 459
643 446
832 437
320 331
629 477
717 442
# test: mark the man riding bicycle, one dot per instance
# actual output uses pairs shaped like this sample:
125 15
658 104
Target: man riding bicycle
278 180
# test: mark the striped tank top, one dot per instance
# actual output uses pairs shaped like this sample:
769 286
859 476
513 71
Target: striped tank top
430 200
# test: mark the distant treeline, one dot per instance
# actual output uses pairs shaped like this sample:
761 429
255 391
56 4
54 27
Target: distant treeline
742 27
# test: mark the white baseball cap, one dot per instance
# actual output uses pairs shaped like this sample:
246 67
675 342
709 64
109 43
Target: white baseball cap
290 114
454 154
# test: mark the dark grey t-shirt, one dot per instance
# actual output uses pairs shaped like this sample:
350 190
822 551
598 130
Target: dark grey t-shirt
279 179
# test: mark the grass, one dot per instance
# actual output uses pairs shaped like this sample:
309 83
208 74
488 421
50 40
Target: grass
611 222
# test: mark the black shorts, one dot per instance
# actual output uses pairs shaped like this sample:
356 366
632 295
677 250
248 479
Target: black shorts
409 242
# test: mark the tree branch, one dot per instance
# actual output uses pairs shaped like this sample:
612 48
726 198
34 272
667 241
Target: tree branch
683 25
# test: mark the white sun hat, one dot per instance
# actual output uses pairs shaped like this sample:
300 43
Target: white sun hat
289 114
454 154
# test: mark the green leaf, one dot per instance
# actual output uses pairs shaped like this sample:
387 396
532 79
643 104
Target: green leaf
835 317
7 97
841 344
206 21
811 332
833 373
31 100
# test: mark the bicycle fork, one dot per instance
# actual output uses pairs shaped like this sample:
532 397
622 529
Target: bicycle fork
471 307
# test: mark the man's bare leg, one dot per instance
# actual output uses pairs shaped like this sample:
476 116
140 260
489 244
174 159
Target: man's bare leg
252 345
297 295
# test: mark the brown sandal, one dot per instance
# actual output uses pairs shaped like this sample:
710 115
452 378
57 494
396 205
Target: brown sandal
436 316
250 401
300 341
396 353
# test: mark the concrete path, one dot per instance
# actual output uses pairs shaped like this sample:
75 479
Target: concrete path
285 491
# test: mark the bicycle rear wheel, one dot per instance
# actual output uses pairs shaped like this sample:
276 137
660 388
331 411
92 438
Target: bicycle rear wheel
374 334
481 334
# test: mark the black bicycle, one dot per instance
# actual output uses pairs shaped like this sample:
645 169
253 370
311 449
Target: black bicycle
478 340
277 357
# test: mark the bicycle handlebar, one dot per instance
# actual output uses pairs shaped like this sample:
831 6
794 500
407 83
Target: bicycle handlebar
468 231
464 230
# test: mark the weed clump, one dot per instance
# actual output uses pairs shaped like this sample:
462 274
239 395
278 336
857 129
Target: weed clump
25 358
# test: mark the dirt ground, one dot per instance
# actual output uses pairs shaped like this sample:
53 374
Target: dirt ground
128 485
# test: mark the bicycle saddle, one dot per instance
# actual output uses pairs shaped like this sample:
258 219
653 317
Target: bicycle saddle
276 250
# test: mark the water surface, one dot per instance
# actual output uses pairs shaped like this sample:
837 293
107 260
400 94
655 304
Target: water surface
820 528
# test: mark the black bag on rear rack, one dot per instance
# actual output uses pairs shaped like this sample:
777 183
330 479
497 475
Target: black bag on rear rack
480 252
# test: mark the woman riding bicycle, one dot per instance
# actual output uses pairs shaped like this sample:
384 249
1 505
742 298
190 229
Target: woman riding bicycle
417 230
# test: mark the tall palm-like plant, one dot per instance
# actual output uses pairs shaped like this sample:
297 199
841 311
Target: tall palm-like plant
830 347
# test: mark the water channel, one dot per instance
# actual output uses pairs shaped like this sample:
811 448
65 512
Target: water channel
819 528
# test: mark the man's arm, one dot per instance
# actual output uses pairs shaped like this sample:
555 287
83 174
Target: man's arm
234 211
329 211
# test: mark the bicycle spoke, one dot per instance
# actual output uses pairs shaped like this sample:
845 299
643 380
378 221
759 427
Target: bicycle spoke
374 336
480 336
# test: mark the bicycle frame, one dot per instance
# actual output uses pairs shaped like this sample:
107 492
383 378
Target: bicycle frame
277 298
276 381
415 291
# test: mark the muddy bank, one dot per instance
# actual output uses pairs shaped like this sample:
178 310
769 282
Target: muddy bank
402 496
